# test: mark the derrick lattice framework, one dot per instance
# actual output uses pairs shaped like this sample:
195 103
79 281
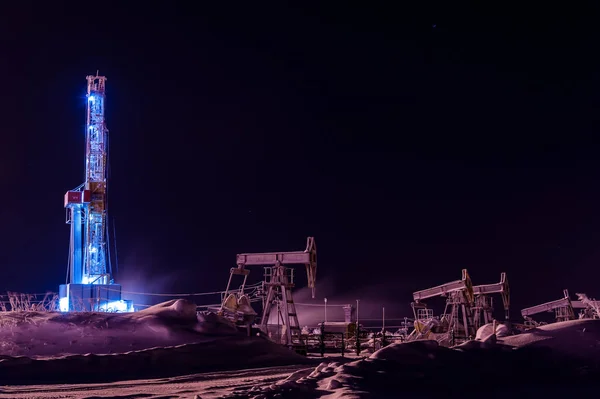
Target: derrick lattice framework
89 283
95 262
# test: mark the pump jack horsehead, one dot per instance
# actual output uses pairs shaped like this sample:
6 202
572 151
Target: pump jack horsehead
277 285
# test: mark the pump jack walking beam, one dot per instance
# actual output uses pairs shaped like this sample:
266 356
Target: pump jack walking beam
565 304
308 257
548 306
464 284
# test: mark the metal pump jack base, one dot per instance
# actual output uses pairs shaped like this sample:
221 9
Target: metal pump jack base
279 281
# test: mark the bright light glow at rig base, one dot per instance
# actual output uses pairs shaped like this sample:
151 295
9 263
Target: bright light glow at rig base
122 306
117 306
63 304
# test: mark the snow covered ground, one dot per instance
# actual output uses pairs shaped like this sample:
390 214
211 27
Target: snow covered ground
162 341
50 334
177 355
208 385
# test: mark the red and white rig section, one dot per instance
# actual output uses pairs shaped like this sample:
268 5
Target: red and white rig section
89 285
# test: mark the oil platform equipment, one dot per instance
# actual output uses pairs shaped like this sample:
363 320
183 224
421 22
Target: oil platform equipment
563 309
276 292
590 308
483 309
89 285
456 324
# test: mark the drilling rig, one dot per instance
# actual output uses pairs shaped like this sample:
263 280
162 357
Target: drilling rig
89 285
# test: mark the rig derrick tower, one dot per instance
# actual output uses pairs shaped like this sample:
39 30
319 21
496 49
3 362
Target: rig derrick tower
90 286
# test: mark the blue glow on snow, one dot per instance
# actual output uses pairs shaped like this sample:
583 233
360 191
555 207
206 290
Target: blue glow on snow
116 306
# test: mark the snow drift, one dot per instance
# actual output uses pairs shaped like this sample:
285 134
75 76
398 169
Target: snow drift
170 339
576 338
163 340
560 358
49 334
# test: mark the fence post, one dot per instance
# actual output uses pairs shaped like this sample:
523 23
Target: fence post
357 339
322 339
343 344
374 341
357 330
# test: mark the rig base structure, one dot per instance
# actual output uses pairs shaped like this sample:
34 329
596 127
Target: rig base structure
92 298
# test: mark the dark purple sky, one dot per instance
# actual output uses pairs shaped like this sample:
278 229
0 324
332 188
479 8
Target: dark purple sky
410 144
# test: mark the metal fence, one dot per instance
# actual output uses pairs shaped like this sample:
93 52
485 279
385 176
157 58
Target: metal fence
358 340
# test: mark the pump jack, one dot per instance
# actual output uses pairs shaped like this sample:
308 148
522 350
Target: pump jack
277 290
456 323
483 309
564 309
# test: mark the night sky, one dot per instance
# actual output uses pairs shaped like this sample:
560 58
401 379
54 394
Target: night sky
410 144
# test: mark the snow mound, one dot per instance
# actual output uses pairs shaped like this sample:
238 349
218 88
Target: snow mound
211 323
417 352
485 331
575 338
161 340
51 334
425 369
227 353
180 309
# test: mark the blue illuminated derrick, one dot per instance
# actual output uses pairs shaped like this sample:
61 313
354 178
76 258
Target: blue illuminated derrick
90 286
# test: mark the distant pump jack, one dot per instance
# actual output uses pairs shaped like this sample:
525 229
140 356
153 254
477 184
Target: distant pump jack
90 286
